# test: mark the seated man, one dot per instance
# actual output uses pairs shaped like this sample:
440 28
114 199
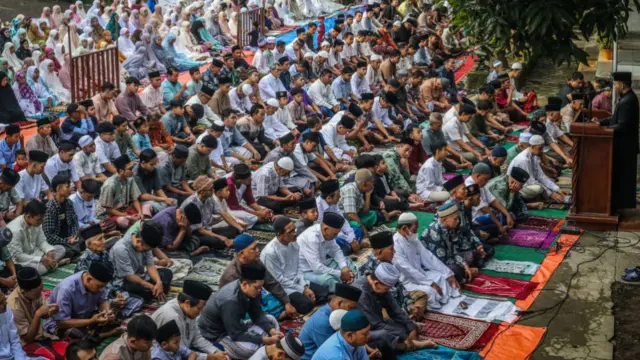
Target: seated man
107 149
173 174
269 186
240 193
538 183
433 135
135 271
280 257
252 128
506 189
42 139
235 146
198 162
11 347
349 238
222 320
317 329
84 306
335 138
10 204
391 330
523 143
308 215
458 135
135 343
355 202
247 252
397 170
29 309
86 161
129 103
184 311
61 223
495 160
303 178
119 196
420 269
463 253
395 201
29 246
554 155
83 202
62 163
318 242
149 182
350 341
289 347
31 185
305 152
273 127
176 124
9 145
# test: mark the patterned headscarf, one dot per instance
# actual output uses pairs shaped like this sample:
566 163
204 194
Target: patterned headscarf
26 92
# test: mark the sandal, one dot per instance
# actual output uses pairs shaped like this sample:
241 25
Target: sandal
632 276
631 269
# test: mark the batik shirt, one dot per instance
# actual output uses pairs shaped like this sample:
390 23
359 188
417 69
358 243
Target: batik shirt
397 174
398 291
446 244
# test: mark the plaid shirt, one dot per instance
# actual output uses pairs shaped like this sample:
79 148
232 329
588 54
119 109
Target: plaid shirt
53 218
397 292
397 174
351 199
266 181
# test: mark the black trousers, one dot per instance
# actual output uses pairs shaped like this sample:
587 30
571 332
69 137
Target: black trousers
227 231
212 242
303 304
278 206
134 288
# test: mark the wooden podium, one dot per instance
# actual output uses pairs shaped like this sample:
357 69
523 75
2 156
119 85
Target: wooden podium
591 182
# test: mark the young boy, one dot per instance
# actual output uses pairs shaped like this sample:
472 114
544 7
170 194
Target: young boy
194 85
327 156
140 139
305 153
119 196
8 147
168 345
90 114
84 204
395 202
21 160
430 180
308 215
106 148
216 157
123 138
349 238
220 195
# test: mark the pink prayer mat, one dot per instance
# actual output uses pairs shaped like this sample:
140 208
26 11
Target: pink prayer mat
500 286
531 238
539 223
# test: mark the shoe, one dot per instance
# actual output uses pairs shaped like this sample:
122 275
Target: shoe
632 276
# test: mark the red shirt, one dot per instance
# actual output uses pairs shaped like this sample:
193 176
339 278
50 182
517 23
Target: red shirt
416 157
502 98
233 201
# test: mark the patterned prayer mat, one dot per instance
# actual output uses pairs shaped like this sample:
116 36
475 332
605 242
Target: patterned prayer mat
513 267
263 227
293 325
500 286
52 279
480 308
262 237
292 212
456 332
361 256
539 223
531 238
208 271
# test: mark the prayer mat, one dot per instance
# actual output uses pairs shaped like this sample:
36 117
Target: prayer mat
208 271
510 266
449 176
292 212
512 138
499 286
263 227
440 353
478 308
531 238
262 237
362 255
550 213
293 325
539 223
52 279
456 332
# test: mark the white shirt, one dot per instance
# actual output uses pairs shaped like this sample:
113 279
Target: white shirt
335 58
429 178
486 198
554 130
152 98
268 86
359 85
349 51
455 130
450 115
29 187
29 244
209 116
322 95
243 104
86 165
531 164
336 142
336 118
314 250
347 231
282 262
380 113
373 76
302 157
273 128
284 116
260 62
412 258
55 165
106 152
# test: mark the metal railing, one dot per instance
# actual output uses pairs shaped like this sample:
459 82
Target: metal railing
245 24
90 71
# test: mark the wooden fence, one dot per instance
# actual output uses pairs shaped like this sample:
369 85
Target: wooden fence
245 24
90 71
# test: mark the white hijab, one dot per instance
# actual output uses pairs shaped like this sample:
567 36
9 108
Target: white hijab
53 82
35 55
59 53
12 59
125 44
51 41
75 40
80 9
184 43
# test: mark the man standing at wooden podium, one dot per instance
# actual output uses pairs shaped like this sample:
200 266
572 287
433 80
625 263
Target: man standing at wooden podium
624 123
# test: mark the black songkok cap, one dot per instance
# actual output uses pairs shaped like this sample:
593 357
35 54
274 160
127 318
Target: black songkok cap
621 76
167 331
381 240
217 63
196 289
306 204
28 278
537 127
38 156
121 162
329 187
348 292
153 74
280 223
355 110
101 271
91 231
151 233
367 96
241 171
180 151
453 183
519 175
224 80
207 90
44 121
253 271
333 220
9 176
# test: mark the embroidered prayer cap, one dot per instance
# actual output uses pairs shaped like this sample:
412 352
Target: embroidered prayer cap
307 204
252 272
271 40
196 289
329 187
447 209
101 271
241 171
67 145
347 122
152 74
85 141
242 242
554 103
348 292
524 137
309 54
333 220
335 318
520 175
105 127
473 189
207 90
366 96
516 66
273 103
453 183
355 110
481 169
407 218
387 274
121 162
381 240
151 233
38 156
323 54
292 346
247 89
376 57
281 94
220 184
621 76
224 80
44 121
9 176
167 331
354 320
193 214
286 163
536 140
28 278
499 151
280 223
91 231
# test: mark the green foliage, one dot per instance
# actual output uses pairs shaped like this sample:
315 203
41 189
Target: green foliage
543 28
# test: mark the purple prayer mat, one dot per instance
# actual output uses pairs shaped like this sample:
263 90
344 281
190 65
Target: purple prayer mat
539 223
531 238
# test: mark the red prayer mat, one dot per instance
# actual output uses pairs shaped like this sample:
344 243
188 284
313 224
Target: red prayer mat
539 223
499 286
456 332
294 326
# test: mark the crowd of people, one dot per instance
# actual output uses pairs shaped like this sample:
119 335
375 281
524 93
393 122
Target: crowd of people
128 178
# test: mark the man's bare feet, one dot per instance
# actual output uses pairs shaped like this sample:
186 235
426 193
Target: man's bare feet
536 205
423 344
64 262
200 250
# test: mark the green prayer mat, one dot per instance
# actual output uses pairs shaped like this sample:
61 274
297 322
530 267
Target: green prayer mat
52 279
550 213
516 253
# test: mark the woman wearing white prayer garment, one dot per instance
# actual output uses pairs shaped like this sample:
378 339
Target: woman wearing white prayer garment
52 81
124 43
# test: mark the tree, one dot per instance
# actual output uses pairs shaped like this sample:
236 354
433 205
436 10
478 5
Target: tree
545 28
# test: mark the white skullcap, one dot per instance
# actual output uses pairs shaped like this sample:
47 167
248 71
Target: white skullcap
273 102
325 43
85 140
336 318
536 140
271 40
407 218
525 137
247 89
262 42
375 57
309 54
323 54
397 23
516 66
497 63
387 274
286 163
218 123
